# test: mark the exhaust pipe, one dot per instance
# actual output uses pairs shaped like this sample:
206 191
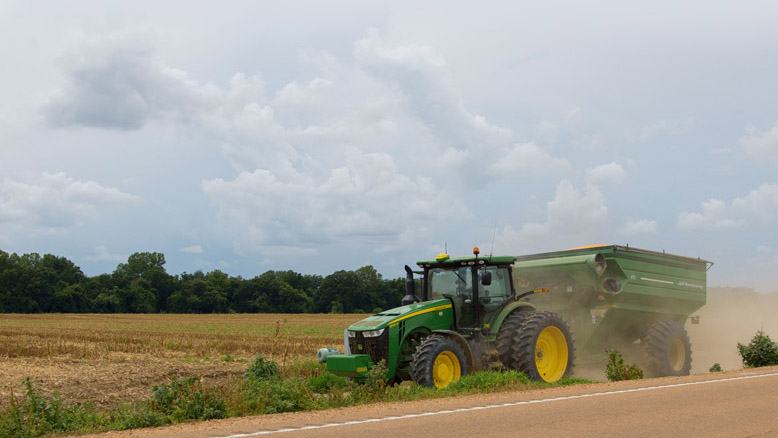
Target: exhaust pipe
410 288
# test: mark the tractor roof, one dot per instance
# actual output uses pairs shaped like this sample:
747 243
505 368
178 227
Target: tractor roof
444 261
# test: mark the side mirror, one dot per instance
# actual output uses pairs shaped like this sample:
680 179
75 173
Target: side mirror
486 278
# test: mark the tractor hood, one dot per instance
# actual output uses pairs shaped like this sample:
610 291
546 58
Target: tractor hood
391 316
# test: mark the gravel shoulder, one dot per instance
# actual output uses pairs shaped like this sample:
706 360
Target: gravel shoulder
233 426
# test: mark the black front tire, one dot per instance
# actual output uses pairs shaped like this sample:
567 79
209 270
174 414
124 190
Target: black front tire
438 362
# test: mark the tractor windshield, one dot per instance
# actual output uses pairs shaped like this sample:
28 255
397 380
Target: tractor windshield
449 283
458 282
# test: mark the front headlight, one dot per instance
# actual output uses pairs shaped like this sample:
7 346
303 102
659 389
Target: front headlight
373 333
352 334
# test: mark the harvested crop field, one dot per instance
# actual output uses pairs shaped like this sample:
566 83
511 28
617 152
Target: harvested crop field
116 358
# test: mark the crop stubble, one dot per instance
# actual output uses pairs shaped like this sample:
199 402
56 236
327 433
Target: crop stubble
115 358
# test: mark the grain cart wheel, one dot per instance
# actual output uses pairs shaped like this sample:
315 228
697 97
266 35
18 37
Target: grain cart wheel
505 336
438 362
543 347
668 350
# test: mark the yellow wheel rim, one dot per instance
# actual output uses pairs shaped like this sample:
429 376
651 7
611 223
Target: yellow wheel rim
551 354
677 355
446 369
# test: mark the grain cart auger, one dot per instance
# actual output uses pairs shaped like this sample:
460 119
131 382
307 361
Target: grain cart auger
526 309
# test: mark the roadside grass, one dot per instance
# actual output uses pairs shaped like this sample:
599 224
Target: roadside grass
265 388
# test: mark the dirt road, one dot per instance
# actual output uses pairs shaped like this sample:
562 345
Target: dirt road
732 404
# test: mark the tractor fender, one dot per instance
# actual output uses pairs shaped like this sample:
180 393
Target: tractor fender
462 343
507 310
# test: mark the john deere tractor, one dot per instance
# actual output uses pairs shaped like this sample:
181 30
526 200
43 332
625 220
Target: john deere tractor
525 311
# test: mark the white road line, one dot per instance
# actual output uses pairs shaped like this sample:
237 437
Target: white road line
501 405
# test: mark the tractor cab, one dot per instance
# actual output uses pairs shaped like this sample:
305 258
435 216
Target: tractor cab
478 288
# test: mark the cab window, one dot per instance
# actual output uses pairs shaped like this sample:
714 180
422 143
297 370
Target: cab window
449 283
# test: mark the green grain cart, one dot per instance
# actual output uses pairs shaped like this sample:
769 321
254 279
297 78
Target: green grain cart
540 314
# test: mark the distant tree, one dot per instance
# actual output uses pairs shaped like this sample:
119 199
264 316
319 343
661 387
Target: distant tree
221 287
197 296
139 297
149 268
22 282
291 300
344 287
95 286
54 275
31 283
108 302
71 299
391 293
248 298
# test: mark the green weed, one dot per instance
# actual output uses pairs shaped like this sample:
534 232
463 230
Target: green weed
36 415
488 381
760 352
262 369
187 399
617 370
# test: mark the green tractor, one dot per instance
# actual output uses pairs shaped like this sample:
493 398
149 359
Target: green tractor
525 311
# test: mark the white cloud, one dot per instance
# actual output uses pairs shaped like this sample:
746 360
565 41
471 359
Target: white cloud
640 226
761 145
103 254
57 201
530 160
603 174
427 90
366 199
759 207
116 81
574 217
375 146
671 127
194 249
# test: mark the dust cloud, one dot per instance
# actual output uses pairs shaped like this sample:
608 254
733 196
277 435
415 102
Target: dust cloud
731 315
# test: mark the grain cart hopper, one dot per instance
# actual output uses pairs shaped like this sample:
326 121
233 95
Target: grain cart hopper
532 310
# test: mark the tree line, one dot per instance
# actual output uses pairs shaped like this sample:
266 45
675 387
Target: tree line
31 283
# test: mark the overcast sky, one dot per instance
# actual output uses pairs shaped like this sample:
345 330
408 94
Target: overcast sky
319 136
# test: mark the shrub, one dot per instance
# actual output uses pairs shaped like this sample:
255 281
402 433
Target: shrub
373 386
140 415
262 369
325 382
715 368
275 395
187 399
760 352
616 369
35 415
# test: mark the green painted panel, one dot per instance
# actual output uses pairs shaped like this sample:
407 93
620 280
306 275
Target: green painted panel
350 365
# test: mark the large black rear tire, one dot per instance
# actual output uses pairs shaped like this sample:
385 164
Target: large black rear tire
438 362
506 337
668 350
543 347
